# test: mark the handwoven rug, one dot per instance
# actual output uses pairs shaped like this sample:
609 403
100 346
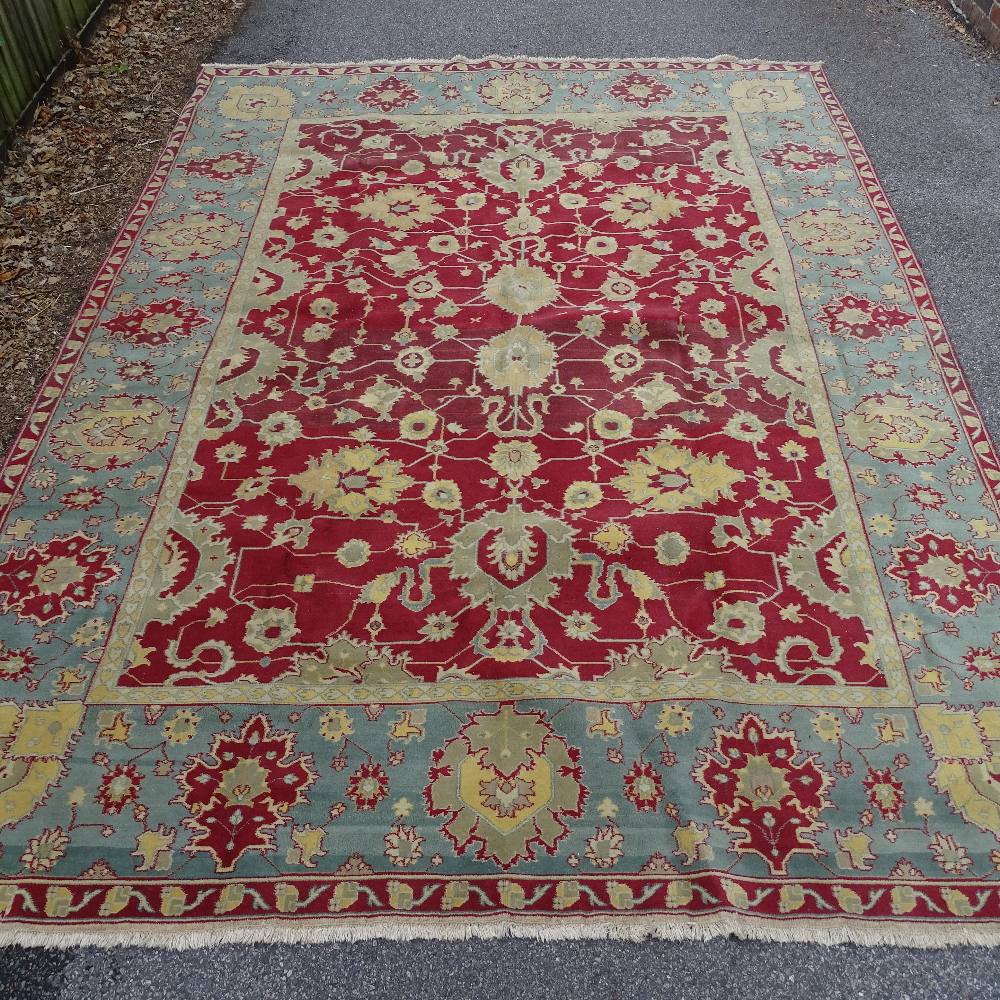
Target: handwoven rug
514 496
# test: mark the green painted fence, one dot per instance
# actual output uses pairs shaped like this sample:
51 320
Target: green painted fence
34 38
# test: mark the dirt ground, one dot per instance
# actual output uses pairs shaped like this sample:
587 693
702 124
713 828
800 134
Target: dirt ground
73 174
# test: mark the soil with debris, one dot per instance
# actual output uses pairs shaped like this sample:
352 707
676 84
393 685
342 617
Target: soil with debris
72 176
951 19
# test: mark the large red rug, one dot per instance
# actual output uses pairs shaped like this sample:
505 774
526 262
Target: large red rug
503 496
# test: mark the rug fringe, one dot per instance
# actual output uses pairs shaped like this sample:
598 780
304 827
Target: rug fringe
829 932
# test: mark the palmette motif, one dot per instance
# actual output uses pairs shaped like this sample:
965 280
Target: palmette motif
481 491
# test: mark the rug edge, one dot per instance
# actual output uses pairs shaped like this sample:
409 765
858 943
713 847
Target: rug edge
623 61
977 432
53 385
829 932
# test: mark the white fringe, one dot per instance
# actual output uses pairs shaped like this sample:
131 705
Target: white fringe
832 931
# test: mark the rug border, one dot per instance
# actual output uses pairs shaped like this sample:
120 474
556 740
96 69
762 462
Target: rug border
983 447
827 931
620 927
55 382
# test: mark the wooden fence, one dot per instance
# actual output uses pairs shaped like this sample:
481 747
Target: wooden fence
35 35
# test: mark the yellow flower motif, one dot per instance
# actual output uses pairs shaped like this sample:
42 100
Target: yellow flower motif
442 494
612 425
619 288
828 726
413 544
403 208
831 231
601 246
670 479
181 728
568 893
763 94
335 725
353 553
419 425
674 720
231 897
580 625
581 495
45 850
456 894
405 261
909 627
679 893
849 900
521 358
230 452
345 895
515 459
523 224
425 286
329 237
736 894
791 897
641 207
58 900
746 427
738 621
90 632
894 428
279 428
772 489
194 236
520 289
438 627
794 451
353 481
672 548
400 895
903 899
515 92
613 538
269 628
443 244
258 103
882 524
623 360
471 202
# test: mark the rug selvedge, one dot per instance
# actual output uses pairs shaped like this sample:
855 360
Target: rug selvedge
514 490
